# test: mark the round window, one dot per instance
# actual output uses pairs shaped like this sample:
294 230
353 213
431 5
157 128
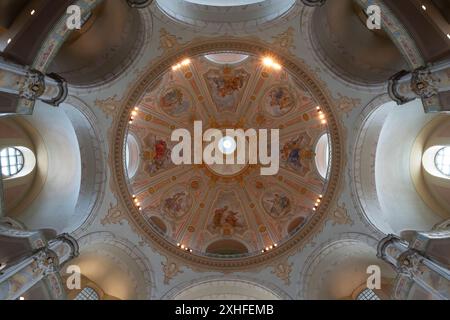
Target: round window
12 161
442 161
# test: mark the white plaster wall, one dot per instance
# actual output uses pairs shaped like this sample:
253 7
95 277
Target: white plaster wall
399 200
53 207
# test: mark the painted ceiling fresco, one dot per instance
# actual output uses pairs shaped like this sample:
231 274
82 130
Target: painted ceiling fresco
227 210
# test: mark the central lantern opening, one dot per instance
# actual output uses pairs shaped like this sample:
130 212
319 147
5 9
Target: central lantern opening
227 211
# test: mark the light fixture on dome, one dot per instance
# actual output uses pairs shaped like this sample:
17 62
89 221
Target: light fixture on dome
271 63
183 63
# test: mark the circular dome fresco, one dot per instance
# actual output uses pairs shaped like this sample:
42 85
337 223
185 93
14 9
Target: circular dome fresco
231 214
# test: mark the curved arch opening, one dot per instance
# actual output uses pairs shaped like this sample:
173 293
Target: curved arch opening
226 290
349 49
113 267
111 36
214 16
388 170
339 271
63 175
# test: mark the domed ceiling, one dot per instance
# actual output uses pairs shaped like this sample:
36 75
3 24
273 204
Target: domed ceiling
226 211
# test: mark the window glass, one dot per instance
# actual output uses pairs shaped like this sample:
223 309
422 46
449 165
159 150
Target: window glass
12 161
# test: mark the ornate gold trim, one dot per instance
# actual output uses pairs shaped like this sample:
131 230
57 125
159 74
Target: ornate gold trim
245 46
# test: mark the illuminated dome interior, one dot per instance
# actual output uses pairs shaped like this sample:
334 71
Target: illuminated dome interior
226 211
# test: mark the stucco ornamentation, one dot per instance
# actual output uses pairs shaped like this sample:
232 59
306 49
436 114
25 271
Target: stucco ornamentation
285 40
283 271
341 216
170 269
168 41
109 106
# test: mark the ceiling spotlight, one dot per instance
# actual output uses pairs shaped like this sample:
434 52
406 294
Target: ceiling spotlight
424 8
448 35
32 12
268 62
9 40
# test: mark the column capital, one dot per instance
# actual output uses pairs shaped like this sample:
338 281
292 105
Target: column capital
424 84
430 83
33 85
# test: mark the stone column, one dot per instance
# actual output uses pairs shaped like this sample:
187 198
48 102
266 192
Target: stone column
24 86
43 264
414 268
430 84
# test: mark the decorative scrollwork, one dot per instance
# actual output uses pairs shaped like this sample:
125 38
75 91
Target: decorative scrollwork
33 86
424 84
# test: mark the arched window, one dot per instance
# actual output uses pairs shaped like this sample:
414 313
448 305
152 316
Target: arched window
87 294
436 161
226 58
442 161
131 155
367 294
322 155
12 161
